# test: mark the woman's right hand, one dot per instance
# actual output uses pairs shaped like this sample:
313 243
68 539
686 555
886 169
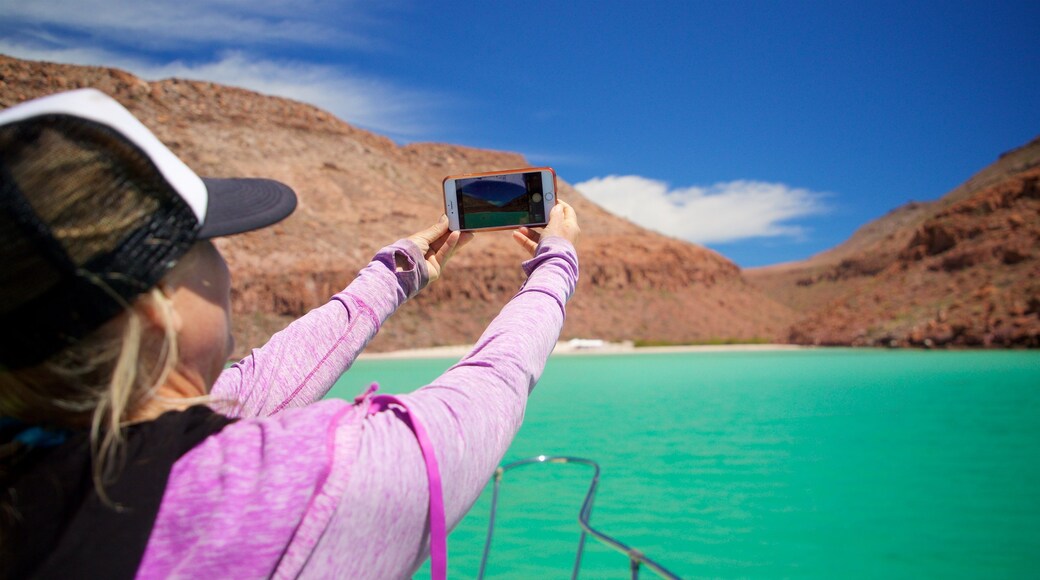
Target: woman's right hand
563 222
437 245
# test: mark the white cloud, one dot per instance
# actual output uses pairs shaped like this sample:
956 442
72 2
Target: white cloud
360 100
232 42
723 212
225 22
364 101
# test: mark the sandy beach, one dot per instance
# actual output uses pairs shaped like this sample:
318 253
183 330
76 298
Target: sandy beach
581 347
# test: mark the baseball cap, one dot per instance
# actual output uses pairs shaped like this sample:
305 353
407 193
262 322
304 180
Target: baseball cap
94 210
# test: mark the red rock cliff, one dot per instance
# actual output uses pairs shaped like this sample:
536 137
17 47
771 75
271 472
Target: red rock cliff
960 271
359 191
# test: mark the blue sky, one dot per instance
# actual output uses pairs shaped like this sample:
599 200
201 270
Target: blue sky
768 131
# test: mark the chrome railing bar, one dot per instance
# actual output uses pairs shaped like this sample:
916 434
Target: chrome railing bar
581 550
491 521
636 558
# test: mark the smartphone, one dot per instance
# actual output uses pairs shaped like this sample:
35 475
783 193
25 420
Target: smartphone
500 200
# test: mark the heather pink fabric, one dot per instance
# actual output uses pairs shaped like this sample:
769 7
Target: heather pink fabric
305 487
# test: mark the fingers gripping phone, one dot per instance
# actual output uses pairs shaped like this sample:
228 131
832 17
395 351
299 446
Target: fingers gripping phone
499 200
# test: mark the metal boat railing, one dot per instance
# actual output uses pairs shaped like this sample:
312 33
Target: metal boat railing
636 558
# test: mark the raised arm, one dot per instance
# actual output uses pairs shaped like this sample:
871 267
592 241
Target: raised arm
300 364
473 411
471 414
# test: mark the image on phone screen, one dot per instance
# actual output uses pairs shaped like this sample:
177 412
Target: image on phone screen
501 200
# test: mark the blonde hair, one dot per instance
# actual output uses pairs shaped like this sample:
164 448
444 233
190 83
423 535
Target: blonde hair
97 383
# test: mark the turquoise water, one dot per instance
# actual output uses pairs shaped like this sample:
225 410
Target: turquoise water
810 464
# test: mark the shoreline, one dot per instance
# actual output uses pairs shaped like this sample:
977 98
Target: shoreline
584 348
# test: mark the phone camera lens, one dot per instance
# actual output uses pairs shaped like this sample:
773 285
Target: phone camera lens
536 197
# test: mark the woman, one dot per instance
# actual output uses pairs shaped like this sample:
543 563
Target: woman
128 450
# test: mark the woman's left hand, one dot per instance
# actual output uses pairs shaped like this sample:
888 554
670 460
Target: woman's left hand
438 245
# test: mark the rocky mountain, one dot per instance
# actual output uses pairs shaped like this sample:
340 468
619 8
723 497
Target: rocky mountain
963 270
359 191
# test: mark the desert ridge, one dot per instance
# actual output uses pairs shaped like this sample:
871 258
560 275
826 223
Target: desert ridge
960 271
359 191
584 347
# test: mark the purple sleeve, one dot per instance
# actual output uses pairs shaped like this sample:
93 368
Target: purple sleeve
299 365
471 413
250 501
326 490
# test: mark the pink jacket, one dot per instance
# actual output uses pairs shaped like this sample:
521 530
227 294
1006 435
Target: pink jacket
308 487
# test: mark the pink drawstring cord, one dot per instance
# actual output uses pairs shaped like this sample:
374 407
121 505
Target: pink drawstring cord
438 527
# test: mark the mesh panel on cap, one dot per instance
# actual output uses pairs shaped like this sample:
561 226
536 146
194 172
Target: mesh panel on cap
88 216
21 279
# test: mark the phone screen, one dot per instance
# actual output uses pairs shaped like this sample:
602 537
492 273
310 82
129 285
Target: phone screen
495 201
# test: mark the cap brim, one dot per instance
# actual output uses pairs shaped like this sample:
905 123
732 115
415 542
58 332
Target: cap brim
242 205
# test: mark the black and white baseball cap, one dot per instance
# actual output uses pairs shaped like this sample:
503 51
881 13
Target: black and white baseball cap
95 210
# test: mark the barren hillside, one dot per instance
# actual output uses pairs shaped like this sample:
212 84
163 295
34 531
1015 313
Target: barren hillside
963 270
359 191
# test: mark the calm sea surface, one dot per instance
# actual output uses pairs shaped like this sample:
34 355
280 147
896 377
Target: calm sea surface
809 464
